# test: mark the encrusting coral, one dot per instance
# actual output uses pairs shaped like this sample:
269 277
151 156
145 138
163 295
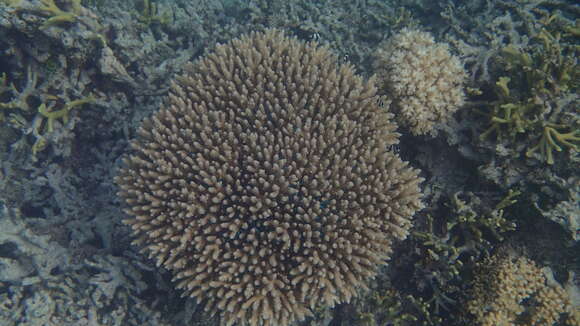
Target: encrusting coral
265 183
424 80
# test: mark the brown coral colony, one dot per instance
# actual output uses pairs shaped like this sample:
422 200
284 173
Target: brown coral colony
265 183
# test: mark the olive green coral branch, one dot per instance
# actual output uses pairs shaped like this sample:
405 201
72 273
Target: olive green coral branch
46 113
151 16
52 116
508 200
502 86
512 116
59 16
56 15
11 3
552 139
51 8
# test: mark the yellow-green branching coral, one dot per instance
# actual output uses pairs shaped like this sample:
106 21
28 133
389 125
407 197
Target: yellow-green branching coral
502 86
43 123
150 15
49 7
553 139
510 119
59 16
15 98
52 116
530 97
11 3
382 306
65 13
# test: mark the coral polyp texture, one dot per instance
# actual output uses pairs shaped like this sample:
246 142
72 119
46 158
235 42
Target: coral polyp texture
512 290
265 182
423 79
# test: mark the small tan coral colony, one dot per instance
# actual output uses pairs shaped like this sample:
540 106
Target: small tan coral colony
265 183
424 80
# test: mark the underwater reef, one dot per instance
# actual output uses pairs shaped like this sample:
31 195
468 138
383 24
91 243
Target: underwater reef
376 162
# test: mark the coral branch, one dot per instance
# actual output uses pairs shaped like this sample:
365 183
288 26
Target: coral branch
552 139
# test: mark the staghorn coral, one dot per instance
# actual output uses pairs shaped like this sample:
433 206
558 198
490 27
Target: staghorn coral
57 13
423 78
431 268
150 15
385 308
512 290
39 122
265 183
534 103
